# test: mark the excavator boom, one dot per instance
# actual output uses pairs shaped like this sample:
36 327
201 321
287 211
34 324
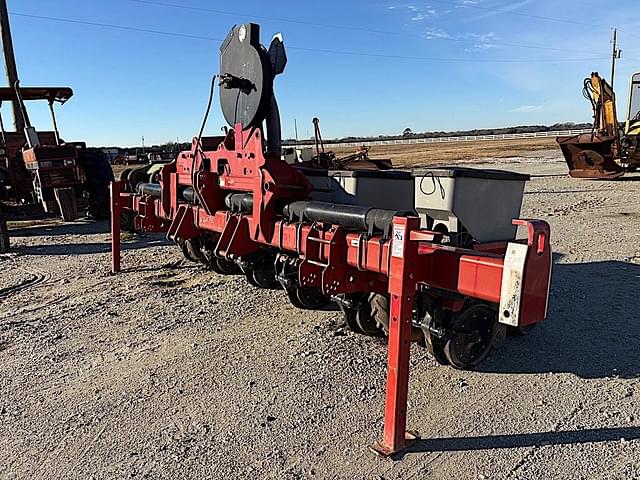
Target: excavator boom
594 155
605 152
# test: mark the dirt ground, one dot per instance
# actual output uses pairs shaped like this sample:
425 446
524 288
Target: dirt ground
170 371
421 154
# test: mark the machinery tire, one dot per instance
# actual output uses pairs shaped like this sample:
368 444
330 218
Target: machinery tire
479 320
263 279
292 294
349 315
127 220
309 298
99 175
224 267
435 347
374 320
124 174
136 176
191 250
4 234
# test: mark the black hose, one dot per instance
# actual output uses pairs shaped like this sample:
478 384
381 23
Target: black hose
198 144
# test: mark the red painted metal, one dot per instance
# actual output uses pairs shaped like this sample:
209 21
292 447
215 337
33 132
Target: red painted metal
115 190
328 256
402 285
537 272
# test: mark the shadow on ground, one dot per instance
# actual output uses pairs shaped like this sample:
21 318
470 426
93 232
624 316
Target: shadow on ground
592 328
518 440
80 228
68 228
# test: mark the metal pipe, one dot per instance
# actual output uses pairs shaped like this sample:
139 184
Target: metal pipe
274 134
115 188
2 130
55 124
10 62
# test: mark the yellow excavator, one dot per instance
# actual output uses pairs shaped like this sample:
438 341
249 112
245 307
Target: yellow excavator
608 151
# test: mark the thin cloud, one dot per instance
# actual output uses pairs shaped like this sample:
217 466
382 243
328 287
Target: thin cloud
485 42
417 13
526 109
435 33
509 8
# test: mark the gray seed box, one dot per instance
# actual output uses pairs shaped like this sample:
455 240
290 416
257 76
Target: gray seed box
479 201
482 202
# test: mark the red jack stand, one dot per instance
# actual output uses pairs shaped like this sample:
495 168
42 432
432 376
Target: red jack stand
402 287
115 188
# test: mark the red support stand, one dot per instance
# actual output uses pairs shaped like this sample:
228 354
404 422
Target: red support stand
115 189
402 285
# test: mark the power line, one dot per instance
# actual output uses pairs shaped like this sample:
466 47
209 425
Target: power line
305 49
530 15
350 28
117 27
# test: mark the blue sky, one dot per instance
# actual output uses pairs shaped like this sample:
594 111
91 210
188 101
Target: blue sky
473 63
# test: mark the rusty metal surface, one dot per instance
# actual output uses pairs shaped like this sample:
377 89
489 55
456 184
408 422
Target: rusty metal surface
591 156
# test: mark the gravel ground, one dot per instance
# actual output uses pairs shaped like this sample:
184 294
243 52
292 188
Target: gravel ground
170 371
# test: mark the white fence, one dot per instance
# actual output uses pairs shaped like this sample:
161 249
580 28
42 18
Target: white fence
466 138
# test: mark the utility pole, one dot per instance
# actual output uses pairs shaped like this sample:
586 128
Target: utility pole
10 62
295 125
615 55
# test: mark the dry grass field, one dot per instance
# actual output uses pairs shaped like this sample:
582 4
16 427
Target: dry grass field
454 152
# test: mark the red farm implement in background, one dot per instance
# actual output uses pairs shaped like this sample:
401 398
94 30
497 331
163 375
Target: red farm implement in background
445 271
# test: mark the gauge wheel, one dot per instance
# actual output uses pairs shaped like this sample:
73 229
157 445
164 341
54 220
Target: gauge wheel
310 298
435 347
292 294
473 334
262 279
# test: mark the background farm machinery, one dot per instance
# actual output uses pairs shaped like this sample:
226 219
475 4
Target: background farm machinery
609 150
34 164
40 168
429 257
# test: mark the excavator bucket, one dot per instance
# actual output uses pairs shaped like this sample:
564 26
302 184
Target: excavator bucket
590 156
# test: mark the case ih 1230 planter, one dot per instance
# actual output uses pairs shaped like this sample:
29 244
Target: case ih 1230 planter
428 256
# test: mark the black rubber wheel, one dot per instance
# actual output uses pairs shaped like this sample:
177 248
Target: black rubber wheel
292 294
370 315
375 320
99 175
4 233
350 319
124 174
263 279
350 314
473 336
224 267
218 265
435 347
310 298
191 250
127 221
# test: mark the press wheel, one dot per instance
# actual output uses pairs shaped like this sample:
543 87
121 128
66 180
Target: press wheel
473 334
307 298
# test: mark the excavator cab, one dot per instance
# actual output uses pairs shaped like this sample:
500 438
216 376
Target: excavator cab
631 139
632 126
